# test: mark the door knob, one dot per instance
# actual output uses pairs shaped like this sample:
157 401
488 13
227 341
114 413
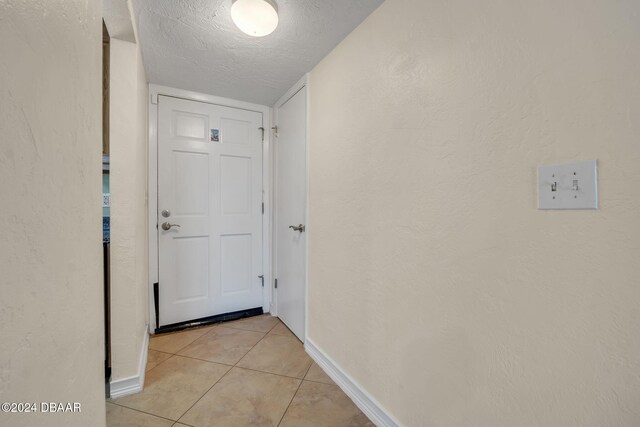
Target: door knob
166 226
299 228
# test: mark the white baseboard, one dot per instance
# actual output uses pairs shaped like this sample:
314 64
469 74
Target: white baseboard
367 404
134 384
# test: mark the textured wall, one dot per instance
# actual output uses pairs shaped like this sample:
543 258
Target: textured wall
434 280
129 253
51 316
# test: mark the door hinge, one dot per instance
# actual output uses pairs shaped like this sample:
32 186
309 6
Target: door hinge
262 129
261 277
276 280
262 208
275 130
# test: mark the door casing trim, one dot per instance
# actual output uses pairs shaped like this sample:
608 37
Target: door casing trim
152 185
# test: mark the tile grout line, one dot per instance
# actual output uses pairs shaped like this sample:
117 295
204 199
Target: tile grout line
219 379
203 360
154 367
204 394
320 382
159 351
294 394
201 336
225 374
226 364
290 402
272 373
254 346
307 371
182 423
211 361
243 367
182 348
177 355
211 328
248 330
248 369
225 325
269 373
142 412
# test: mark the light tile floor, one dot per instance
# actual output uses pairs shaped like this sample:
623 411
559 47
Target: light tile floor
250 372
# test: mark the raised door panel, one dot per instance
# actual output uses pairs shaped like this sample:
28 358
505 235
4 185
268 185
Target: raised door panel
190 125
192 272
236 181
236 253
191 180
236 131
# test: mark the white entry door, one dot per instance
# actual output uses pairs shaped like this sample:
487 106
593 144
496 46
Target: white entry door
291 201
209 210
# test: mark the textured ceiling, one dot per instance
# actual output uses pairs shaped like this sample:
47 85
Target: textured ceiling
194 45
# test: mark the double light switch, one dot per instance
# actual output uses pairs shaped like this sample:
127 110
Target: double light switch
568 186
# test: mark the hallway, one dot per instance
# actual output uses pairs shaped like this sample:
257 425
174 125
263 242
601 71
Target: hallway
438 198
252 371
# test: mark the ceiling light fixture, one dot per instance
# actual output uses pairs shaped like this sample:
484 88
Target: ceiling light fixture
256 18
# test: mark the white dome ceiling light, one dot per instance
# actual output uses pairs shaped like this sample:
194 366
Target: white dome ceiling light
256 18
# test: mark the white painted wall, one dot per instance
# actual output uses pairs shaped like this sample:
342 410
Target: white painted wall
128 181
433 279
51 315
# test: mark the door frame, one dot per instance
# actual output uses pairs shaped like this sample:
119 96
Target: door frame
152 185
301 84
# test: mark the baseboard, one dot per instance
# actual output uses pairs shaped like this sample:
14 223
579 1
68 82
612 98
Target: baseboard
134 384
367 404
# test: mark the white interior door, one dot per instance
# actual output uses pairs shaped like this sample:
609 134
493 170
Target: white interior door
291 201
209 210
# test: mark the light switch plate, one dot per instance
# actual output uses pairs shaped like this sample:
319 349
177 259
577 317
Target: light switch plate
568 186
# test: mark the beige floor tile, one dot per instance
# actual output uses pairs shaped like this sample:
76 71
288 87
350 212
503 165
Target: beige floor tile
278 354
281 329
176 341
154 358
222 345
117 416
317 374
317 405
244 398
173 386
263 323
